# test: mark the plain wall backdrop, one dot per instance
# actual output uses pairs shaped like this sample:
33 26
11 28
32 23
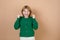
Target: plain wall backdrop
46 12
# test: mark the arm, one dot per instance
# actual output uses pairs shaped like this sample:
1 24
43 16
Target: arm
17 23
35 23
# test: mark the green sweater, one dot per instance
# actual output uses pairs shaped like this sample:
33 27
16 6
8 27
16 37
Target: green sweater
26 25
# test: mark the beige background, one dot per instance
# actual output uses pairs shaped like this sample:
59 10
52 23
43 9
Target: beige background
46 12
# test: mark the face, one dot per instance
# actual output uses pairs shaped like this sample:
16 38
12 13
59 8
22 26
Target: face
26 12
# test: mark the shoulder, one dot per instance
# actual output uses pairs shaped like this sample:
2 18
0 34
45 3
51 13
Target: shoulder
20 17
32 18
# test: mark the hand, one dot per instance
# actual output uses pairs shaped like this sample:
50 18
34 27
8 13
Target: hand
33 16
18 16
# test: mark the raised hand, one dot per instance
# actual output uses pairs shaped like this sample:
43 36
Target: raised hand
33 16
18 16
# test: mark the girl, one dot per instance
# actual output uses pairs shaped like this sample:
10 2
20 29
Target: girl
27 24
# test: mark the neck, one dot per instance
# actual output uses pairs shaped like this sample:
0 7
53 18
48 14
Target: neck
26 16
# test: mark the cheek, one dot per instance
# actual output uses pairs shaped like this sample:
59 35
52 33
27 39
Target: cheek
28 12
24 12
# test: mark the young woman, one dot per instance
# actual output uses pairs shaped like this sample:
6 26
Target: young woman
26 23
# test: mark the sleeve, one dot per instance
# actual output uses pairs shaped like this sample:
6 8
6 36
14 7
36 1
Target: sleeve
17 24
35 24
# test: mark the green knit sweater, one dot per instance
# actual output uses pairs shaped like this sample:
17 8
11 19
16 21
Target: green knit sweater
26 25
